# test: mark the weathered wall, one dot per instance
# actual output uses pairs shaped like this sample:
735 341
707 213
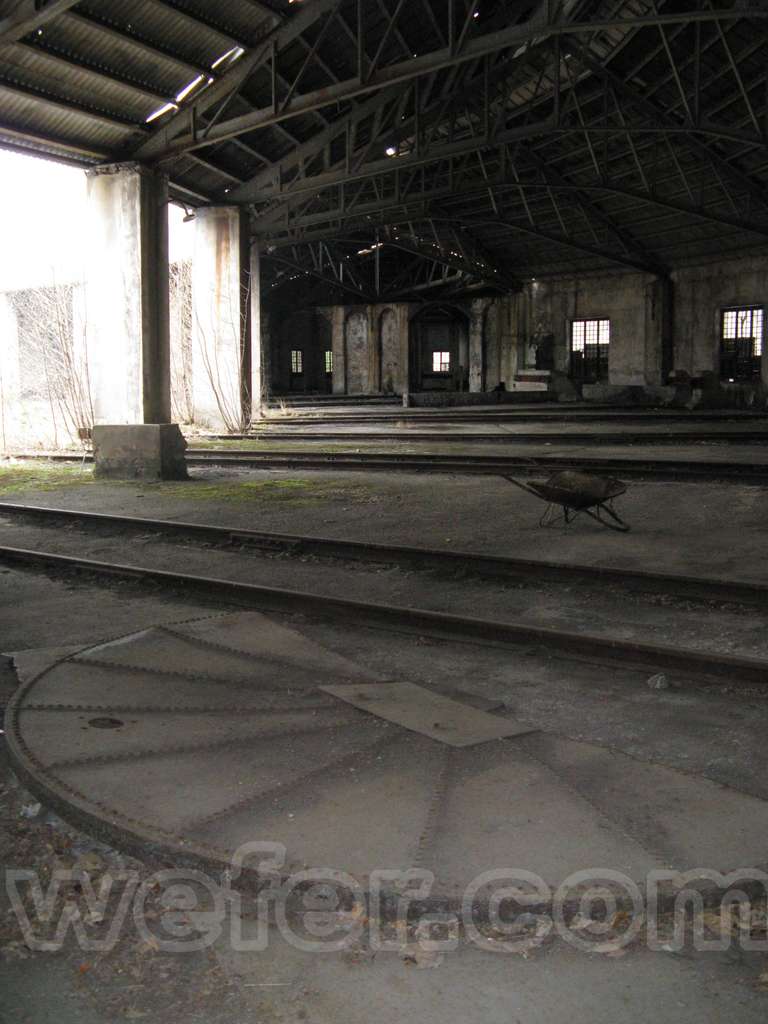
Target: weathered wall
358 352
220 321
127 294
625 299
394 360
45 398
700 294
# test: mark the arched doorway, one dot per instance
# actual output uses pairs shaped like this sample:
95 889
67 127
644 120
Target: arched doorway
438 349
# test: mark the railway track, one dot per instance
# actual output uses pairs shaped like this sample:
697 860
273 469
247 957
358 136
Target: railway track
493 465
554 415
442 437
744 472
449 562
687 662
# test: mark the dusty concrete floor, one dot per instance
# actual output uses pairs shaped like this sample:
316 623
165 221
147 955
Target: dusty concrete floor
598 610
552 983
677 528
698 528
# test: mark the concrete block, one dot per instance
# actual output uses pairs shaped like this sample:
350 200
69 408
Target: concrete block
147 451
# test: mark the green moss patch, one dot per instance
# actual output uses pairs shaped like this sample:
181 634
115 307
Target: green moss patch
38 476
303 491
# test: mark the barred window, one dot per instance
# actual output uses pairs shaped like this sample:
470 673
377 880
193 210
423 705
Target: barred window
741 343
297 361
329 361
590 340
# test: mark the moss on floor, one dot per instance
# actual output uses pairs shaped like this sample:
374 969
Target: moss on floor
301 491
41 476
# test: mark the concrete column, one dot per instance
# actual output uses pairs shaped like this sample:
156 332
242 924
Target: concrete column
338 322
475 349
127 294
221 314
258 352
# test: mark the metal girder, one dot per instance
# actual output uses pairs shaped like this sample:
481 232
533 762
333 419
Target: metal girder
651 109
322 274
30 16
465 255
472 49
336 217
571 243
266 185
591 210
312 148
161 141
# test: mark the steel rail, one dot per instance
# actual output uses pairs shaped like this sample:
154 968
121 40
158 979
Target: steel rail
431 559
321 417
464 629
672 470
667 469
410 436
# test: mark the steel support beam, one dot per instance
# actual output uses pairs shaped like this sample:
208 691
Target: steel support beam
30 16
164 140
472 49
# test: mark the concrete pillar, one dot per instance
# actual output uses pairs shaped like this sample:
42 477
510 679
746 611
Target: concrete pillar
475 350
338 322
258 352
221 315
127 294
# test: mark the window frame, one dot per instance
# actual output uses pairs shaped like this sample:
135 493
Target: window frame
297 362
601 363
731 364
441 361
328 360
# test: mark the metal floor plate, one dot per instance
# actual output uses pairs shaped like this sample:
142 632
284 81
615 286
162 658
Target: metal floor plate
428 713
195 738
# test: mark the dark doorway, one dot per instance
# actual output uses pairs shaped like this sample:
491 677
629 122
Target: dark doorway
302 356
438 350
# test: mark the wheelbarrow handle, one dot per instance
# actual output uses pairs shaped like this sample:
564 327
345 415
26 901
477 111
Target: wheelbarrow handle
521 485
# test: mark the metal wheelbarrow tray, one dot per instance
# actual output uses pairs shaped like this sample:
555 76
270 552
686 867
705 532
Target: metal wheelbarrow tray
575 493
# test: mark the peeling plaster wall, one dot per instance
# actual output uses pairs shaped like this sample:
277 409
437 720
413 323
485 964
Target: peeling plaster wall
389 324
700 295
127 294
357 352
622 298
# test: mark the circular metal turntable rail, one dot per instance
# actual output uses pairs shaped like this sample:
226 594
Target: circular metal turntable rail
188 742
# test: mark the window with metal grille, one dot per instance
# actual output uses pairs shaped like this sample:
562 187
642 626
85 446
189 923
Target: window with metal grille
329 361
441 362
297 361
590 341
741 343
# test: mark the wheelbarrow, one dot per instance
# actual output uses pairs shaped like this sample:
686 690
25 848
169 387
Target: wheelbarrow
577 493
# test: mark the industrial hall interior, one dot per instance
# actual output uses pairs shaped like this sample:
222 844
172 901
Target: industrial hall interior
383 511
